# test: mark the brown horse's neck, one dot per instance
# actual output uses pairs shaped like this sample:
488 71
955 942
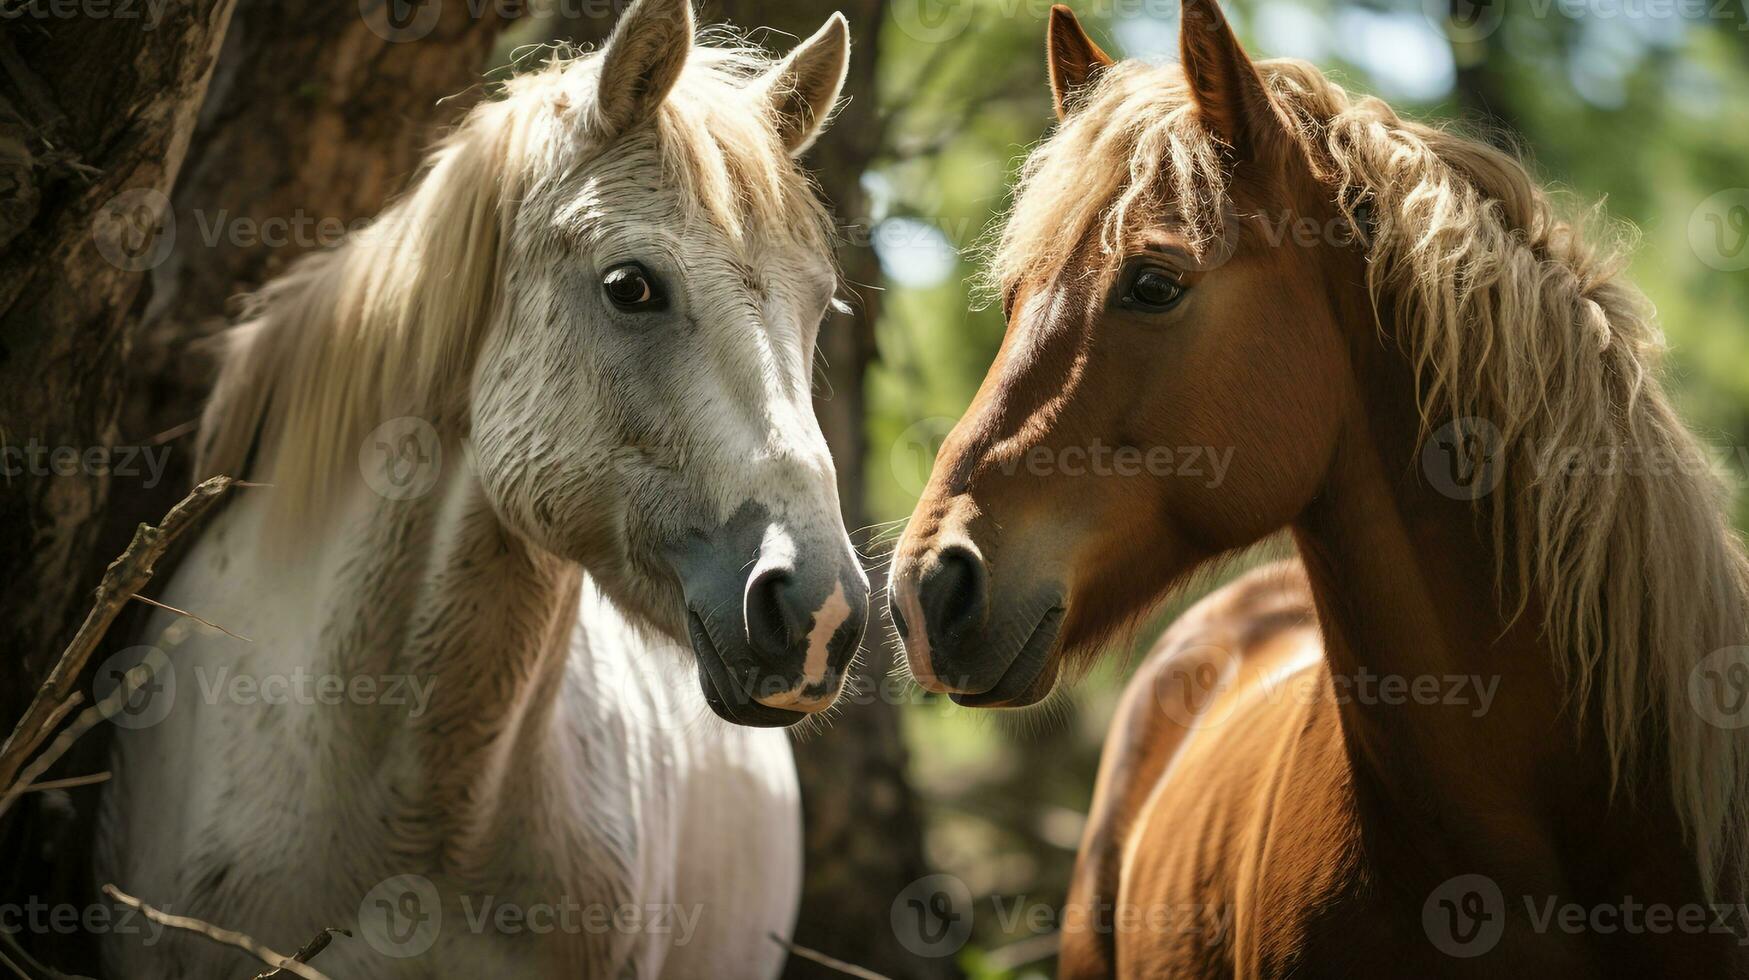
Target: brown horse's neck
1497 775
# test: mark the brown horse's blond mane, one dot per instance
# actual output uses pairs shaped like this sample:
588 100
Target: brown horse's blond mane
1509 313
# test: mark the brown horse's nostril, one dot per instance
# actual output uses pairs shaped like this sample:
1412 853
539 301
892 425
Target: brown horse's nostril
777 618
953 594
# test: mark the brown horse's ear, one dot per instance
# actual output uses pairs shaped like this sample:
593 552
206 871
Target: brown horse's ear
1074 60
1230 96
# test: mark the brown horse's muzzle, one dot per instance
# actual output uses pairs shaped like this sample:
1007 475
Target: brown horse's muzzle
967 636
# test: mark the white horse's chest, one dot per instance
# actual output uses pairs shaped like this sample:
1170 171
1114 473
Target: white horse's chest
280 795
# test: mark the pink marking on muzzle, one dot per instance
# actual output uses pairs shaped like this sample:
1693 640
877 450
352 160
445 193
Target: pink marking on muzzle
831 615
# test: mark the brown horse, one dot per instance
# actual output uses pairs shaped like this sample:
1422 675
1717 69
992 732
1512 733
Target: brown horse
1490 724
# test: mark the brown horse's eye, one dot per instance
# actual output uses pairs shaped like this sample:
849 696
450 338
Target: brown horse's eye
1153 290
631 287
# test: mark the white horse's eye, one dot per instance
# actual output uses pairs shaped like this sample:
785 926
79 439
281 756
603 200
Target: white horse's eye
631 287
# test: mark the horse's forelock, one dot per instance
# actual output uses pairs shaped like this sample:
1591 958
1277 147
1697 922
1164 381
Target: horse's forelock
1129 155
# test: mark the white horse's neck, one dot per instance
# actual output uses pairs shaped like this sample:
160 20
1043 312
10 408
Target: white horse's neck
435 591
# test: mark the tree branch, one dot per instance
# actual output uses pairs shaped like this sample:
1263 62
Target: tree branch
218 934
125 577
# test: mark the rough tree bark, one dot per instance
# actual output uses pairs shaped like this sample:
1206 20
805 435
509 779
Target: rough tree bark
149 172
96 115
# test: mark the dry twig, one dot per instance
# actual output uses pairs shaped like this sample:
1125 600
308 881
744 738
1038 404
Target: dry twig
125 577
14 967
15 955
71 782
218 934
848 969
88 719
306 952
188 615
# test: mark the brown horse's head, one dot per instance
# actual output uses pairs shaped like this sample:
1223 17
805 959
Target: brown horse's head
1173 377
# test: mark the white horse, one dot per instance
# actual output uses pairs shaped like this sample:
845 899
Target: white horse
543 423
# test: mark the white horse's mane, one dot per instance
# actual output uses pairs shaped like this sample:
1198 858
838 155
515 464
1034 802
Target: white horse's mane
388 323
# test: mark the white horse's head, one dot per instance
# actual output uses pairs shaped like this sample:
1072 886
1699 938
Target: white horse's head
645 403
608 282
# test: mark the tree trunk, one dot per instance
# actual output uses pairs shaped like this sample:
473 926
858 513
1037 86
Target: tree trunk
96 115
225 143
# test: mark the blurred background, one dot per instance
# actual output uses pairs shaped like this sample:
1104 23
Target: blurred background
940 839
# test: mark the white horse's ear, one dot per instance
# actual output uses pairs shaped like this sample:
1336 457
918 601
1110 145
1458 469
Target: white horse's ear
642 61
803 89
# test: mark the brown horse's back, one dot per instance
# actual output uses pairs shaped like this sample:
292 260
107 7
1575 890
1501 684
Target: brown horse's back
1234 695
